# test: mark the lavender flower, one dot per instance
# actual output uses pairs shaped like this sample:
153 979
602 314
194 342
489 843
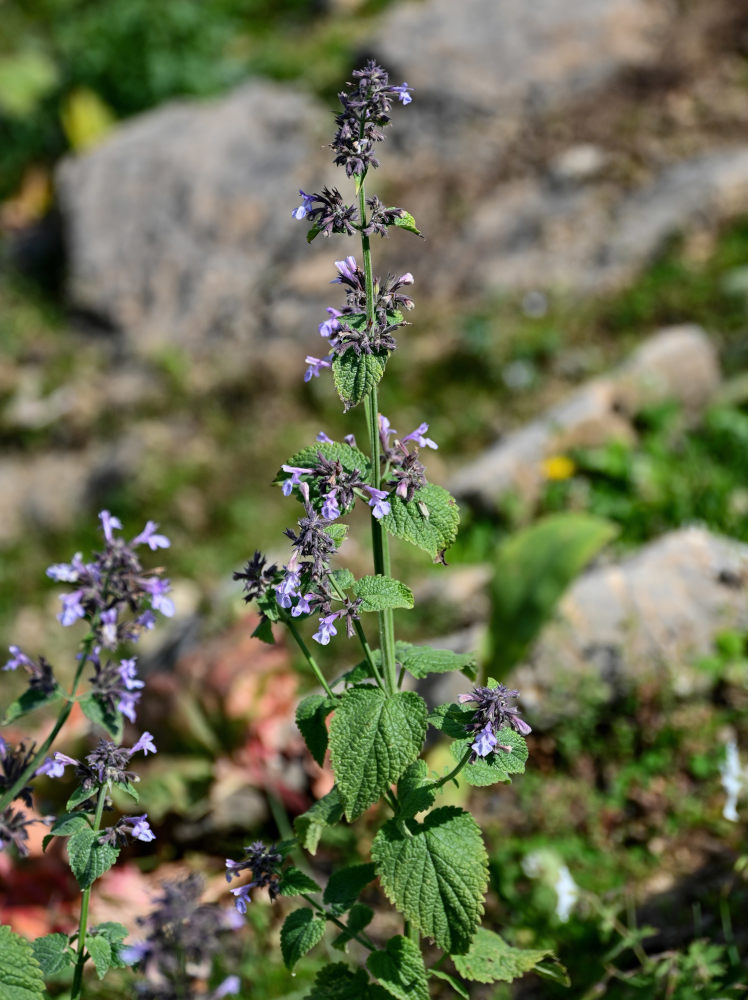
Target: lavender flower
264 863
379 503
307 203
330 509
324 438
106 763
418 436
328 212
326 628
17 659
380 217
494 711
40 673
295 479
315 366
117 686
329 327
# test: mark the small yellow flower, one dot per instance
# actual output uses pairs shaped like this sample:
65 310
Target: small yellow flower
558 467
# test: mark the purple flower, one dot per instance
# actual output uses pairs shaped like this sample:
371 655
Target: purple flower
18 659
418 436
307 203
133 953
145 743
108 620
316 365
296 473
149 536
61 760
347 269
52 768
326 629
330 326
158 588
379 503
72 609
303 607
351 440
330 509
386 430
141 829
485 742
242 896
108 523
67 572
147 620
231 984
128 674
403 93
324 439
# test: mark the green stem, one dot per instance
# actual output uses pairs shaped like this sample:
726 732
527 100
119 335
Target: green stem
361 638
453 773
76 990
30 769
361 937
379 539
309 658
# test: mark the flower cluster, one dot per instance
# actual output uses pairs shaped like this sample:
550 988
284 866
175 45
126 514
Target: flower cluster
264 863
494 711
106 763
116 686
114 585
258 576
13 823
182 937
40 673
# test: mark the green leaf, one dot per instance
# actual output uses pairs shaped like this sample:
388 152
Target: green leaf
456 985
344 886
100 950
293 882
491 960
407 222
436 876
115 934
100 714
313 233
532 569
360 916
325 812
88 858
496 766
337 532
451 719
128 788
352 459
20 975
264 631
373 738
299 934
79 796
381 592
339 982
415 793
355 376
343 578
31 699
400 969
53 953
65 826
420 661
361 672
429 520
310 718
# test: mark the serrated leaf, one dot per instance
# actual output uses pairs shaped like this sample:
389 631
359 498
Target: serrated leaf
491 960
70 823
496 766
400 969
79 796
326 812
311 716
373 738
88 858
407 222
264 631
532 570
339 982
381 592
360 916
361 672
355 376
343 578
338 532
415 793
437 876
451 719
456 985
53 953
433 533
100 950
420 661
293 882
114 932
31 699
345 884
300 932
128 788
352 459
101 715
21 977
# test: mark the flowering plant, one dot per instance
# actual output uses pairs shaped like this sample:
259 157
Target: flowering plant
430 860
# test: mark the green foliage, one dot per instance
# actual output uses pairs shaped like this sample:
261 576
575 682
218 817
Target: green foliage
491 960
345 885
30 699
373 738
380 592
497 765
532 568
88 858
326 812
98 711
400 969
20 975
436 874
339 982
311 714
420 661
53 953
300 932
415 793
408 223
352 459
355 376
100 950
293 882
359 917
429 521
115 934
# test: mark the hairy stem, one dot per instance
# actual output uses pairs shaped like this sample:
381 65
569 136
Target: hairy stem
453 773
379 539
62 718
76 990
